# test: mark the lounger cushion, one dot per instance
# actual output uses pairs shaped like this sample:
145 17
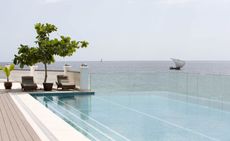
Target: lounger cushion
68 86
64 81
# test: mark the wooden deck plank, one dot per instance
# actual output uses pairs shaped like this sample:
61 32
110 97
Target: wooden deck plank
28 131
8 125
0 136
13 123
4 134
21 131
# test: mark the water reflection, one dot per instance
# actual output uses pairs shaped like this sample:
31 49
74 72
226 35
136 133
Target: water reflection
46 100
80 106
65 100
83 105
74 103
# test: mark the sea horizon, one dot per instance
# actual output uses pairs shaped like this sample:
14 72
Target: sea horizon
202 66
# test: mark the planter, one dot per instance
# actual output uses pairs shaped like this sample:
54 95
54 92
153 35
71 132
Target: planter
8 85
48 86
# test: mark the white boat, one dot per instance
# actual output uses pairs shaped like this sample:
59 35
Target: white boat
178 63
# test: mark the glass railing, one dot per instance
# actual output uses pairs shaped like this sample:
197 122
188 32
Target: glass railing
207 89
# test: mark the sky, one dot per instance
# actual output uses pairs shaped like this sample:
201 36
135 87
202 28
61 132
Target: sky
123 29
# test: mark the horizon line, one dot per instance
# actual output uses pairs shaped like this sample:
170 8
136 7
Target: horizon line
121 60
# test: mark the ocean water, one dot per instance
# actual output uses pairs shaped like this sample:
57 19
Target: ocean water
196 76
205 67
200 78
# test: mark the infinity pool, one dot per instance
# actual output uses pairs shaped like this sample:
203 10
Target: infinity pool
139 116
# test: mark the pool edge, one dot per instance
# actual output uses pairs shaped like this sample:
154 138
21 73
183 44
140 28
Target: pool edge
46 124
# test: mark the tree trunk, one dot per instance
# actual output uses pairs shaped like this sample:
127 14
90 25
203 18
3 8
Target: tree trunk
45 73
7 79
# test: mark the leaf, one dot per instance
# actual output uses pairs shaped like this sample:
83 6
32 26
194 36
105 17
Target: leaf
6 70
11 67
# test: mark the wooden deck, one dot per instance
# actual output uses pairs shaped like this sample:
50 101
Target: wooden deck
13 125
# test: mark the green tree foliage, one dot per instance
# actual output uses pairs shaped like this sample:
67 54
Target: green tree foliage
46 48
7 70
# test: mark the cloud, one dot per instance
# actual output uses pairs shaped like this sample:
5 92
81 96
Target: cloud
172 2
131 1
52 1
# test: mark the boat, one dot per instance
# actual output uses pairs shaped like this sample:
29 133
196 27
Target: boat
178 64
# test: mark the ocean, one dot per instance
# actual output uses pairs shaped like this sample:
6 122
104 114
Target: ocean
147 75
204 67
115 76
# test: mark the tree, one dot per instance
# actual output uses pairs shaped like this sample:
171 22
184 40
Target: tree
46 48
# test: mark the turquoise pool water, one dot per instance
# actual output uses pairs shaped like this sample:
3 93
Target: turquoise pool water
139 116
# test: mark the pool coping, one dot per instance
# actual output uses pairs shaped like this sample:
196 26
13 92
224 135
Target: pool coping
62 93
46 124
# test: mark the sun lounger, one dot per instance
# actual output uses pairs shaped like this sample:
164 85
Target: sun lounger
63 82
28 83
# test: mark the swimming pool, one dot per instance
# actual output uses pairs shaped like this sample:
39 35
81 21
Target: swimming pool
139 116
